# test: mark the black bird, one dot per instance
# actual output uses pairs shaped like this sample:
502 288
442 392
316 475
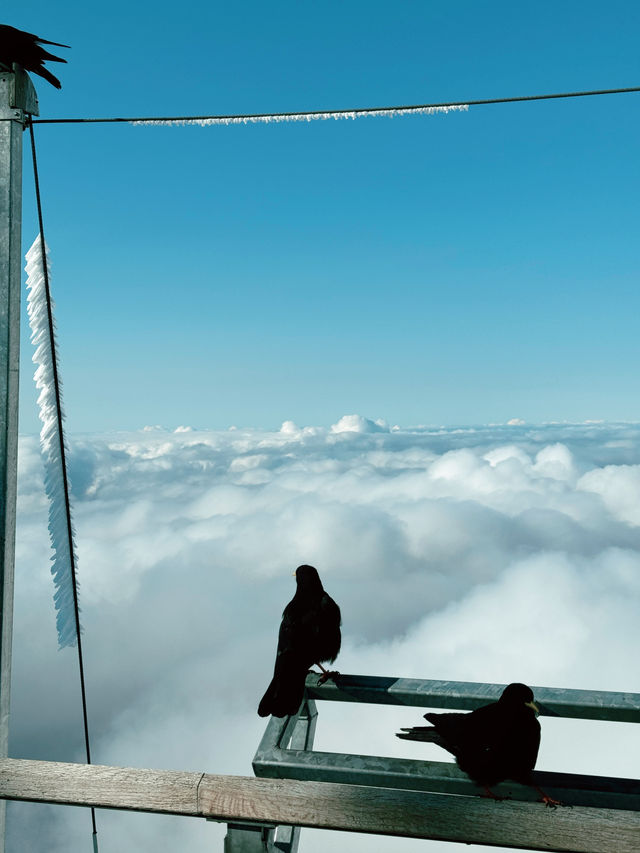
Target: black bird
495 742
24 49
309 634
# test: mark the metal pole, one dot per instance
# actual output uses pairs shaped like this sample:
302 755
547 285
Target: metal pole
17 100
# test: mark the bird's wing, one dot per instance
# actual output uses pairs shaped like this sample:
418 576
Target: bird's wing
285 692
289 633
329 622
523 743
454 730
330 611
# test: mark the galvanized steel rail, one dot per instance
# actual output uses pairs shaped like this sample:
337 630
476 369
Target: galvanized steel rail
285 752
467 695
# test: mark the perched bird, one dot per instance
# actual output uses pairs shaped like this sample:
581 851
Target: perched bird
495 742
24 49
309 634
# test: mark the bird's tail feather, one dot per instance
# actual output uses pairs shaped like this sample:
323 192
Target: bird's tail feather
424 733
51 57
427 734
43 72
56 43
283 696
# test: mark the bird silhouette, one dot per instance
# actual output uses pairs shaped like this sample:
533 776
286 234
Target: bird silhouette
24 49
495 742
309 634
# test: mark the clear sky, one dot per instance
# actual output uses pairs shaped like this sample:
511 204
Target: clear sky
465 268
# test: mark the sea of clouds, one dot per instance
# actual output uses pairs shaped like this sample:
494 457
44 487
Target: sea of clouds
498 553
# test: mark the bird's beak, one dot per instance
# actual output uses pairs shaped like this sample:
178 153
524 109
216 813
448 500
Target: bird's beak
533 707
293 574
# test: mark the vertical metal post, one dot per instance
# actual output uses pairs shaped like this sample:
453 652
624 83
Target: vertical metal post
296 732
249 838
17 99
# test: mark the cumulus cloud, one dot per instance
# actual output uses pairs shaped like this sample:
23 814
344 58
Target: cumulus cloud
356 423
483 554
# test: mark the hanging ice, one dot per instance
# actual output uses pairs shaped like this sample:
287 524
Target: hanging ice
53 446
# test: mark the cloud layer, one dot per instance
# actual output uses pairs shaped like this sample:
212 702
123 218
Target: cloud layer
483 554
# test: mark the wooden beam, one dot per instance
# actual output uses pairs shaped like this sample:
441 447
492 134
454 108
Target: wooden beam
165 791
324 805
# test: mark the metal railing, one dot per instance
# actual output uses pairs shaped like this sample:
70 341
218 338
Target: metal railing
286 750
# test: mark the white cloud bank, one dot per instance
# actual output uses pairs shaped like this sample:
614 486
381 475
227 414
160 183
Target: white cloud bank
481 554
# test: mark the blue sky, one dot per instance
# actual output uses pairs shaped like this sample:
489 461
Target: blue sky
467 268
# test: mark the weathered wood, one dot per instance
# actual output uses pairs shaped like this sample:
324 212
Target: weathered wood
169 791
386 811
467 695
324 805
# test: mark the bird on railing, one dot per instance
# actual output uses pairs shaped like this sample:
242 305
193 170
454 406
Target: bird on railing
24 49
495 742
309 634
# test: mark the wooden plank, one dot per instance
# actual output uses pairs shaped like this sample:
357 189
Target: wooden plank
385 811
325 805
467 695
167 791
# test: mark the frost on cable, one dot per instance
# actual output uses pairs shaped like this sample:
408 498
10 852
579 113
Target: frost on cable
389 112
52 446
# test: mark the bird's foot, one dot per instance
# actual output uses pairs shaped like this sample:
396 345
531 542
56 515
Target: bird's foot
326 675
550 802
488 793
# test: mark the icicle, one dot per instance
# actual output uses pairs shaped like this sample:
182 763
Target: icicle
52 446
279 117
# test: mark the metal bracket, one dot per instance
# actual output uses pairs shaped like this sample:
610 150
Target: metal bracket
19 98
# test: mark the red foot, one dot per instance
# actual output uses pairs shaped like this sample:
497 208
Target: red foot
326 675
549 802
488 793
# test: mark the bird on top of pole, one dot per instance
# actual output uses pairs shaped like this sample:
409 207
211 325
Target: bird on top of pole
22 48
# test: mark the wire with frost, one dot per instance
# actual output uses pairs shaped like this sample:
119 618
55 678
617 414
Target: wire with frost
389 112
53 445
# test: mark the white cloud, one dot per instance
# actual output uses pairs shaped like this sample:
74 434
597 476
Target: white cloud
495 554
619 488
356 423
